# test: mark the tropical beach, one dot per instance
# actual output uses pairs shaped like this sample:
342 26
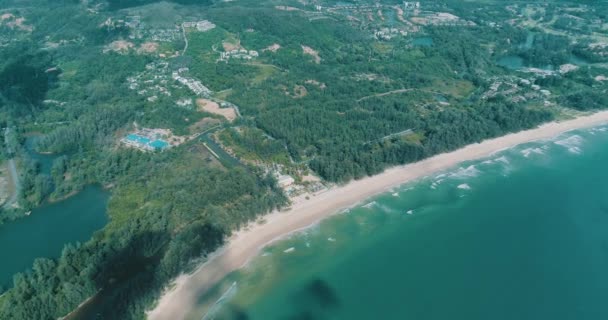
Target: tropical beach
179 298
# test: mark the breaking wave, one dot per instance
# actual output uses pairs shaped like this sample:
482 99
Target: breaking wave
572 144
369 205
529 151
464 186
464 173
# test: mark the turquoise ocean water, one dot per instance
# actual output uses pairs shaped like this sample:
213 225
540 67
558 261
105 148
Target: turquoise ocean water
522 234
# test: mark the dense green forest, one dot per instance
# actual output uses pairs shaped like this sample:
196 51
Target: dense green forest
171 210
121 4
331 91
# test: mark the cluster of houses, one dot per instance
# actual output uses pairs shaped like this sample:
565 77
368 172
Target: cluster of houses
200 26
238 54
153 82
411 5
516 89
441 19
186 103
158 80
389 33
193 84
139 30
164 35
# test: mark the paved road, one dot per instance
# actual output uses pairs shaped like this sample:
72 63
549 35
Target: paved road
185 40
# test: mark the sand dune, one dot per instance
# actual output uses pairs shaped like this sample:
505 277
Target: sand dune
178 301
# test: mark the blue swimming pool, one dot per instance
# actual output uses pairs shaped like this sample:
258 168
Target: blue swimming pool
157 144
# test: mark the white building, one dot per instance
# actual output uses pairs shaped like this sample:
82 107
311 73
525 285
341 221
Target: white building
185 102
285 180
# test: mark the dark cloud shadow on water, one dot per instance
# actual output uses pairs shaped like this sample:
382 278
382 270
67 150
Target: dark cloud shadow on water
233 313
316 301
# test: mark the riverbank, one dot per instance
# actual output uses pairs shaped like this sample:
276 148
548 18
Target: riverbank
245 244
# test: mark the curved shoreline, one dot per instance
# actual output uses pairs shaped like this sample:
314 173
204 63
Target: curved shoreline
178 301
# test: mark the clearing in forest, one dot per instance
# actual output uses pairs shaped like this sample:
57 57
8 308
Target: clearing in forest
229 46
287 8
311 52
148 47
214 108
119 46
272 48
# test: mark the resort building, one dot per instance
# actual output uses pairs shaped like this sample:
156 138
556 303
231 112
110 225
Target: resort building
146 140
285 180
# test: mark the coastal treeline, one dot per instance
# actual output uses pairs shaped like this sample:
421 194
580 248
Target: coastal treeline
445 131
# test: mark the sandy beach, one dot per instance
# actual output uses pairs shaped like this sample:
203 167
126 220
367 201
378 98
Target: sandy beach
178 301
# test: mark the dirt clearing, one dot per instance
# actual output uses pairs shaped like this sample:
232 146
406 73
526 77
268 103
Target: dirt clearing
311 52
214 108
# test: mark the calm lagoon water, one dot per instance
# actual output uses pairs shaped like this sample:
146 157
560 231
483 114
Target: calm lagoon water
522 234
48 228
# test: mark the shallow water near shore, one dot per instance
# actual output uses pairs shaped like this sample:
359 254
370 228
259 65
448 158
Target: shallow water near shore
522 234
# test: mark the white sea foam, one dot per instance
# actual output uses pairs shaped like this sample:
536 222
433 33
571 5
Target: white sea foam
529 151
292 249
572 143
395 194
410 212
463 173
595 130
502 159
369 205
436 183
330 239
386 208
464 186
